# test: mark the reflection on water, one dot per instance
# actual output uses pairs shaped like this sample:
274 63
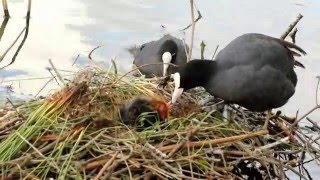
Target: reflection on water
62 31
25 30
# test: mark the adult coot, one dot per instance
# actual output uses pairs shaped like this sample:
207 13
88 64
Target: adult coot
149 108
167 49
254 71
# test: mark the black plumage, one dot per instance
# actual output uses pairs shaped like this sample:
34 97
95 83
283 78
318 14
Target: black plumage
254 71
142 112
151 53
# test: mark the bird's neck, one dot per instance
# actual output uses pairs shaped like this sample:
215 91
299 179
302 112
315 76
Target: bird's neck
198 73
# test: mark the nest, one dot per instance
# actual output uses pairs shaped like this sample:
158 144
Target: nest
76 133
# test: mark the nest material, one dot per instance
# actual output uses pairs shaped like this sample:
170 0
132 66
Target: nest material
76 134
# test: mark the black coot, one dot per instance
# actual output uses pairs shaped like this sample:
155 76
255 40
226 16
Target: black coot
167 49
254 71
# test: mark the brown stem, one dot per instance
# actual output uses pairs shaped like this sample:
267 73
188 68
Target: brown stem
216 141
190 133
102 170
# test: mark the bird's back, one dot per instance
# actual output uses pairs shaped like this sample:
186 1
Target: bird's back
254 71
257 50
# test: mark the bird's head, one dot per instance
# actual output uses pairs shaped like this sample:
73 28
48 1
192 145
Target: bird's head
162 108
168 52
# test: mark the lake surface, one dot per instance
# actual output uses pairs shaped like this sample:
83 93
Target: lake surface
61 31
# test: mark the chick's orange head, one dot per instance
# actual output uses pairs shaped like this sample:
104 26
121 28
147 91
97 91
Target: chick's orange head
162 108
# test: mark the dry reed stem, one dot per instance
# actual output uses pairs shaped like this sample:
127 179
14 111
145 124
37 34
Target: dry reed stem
13 43
190 133
192 31
106 165
286 131
90 53
29 9
216 141
5 8
215 51
56 71
139 151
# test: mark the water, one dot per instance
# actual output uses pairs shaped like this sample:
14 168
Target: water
61 31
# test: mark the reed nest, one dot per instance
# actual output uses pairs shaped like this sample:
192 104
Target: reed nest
76 133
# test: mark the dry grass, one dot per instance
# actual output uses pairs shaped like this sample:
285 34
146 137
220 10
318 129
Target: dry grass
76 134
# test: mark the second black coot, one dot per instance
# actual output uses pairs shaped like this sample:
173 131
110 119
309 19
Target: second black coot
167 49
254 71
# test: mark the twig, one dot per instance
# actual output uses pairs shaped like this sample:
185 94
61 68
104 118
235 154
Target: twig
5 8
110 170
136 68
14 42
11 127
196 20
94 164
165 163
89 55
186 49
57 73
313 123
268 146
190 133
45 85
53 76
43 150
293 35
216 141
106 165
296 172
114 66
155 150
21 44
29 9
317 90
9 123
75 60
302 117
291 26
192 31
215 52
19 165
14 107
285 131
3 26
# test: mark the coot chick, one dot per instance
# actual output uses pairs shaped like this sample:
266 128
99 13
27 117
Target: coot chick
254 71
167 49
146 109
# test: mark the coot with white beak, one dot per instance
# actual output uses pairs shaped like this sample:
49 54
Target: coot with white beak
254 71
166 50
